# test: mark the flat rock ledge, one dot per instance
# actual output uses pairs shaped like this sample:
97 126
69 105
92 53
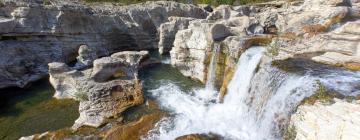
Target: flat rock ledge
105 90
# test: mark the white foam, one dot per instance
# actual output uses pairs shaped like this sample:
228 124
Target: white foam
254 107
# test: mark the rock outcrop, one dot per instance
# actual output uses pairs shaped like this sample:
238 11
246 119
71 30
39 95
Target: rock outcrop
311 23
168 31
327 121
34 33
105 90
339 47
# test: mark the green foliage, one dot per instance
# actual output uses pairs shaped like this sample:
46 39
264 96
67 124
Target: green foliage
81 96
273 48
321 94
1 5
289 133
46 2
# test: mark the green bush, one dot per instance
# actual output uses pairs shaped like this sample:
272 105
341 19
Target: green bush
46 2
321 94
289 133
81 96
2 4
273 48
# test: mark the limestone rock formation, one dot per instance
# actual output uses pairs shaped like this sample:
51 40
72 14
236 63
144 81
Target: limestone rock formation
168 31
35 33
339 47
289 23
193 46
226 12
105 90
327 121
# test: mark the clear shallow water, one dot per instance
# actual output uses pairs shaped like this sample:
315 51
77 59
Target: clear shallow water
32 110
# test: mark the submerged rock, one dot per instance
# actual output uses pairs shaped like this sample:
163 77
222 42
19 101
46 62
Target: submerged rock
105 90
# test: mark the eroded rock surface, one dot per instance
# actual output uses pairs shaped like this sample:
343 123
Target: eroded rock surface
327 121
168 31
340 47
312 23
34 33
105 90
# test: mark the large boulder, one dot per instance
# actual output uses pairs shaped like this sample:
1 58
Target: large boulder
191 49
34 33
323 121
105 90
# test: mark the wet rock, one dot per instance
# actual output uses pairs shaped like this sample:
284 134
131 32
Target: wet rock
324 121
200 137
134 130
34 34
193 46
105 90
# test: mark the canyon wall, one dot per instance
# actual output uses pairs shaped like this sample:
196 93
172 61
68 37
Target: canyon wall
34 33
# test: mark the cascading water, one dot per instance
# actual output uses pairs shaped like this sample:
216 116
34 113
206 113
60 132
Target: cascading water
209 93
212 67
257 104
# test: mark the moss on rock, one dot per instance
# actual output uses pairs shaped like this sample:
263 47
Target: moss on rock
289 133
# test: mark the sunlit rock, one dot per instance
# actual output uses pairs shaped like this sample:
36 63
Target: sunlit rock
327 121
105 90
168 31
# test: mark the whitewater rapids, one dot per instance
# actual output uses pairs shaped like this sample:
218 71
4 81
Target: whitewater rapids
257 104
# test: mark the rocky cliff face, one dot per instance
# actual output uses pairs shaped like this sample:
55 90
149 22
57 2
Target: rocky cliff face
105 90
34 33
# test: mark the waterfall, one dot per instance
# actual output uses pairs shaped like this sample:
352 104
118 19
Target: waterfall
258 102
209 93
212 67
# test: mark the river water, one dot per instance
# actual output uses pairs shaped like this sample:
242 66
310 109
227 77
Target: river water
257 105
32 110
